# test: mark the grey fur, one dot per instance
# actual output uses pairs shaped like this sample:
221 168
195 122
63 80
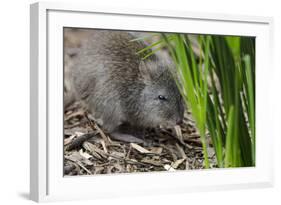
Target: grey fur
120 88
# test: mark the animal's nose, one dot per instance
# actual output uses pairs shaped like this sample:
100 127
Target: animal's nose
179 121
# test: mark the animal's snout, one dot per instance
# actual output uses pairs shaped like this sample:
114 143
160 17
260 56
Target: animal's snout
179 121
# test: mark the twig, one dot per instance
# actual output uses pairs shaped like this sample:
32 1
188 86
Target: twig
80 140
82 166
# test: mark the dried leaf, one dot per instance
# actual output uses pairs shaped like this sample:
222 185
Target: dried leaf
78 134
177 163
73 130
178 132
94 150
169 168
76 157
98 170
85 154
181 151
69 140
156 150
117 154
139 148
104 146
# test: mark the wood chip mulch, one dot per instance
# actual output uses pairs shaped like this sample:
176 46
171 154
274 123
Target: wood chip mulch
89 151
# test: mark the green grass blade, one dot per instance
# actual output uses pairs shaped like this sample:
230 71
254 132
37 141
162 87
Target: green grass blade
250 96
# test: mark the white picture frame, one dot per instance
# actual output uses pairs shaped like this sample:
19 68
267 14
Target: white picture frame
46 133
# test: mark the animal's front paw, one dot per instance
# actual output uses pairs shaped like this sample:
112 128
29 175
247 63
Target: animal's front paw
126 138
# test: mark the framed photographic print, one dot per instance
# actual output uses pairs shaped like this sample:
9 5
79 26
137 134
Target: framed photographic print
147 101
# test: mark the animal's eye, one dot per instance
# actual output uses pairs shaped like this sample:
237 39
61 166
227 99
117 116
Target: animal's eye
162 97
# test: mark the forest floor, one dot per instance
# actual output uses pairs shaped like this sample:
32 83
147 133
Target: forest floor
89 151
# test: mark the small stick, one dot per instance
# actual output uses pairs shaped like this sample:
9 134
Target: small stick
80 140
82 166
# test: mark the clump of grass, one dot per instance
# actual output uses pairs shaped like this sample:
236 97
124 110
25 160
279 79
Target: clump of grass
218 86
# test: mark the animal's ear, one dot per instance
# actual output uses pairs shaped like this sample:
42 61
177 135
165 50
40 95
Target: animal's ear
145 71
